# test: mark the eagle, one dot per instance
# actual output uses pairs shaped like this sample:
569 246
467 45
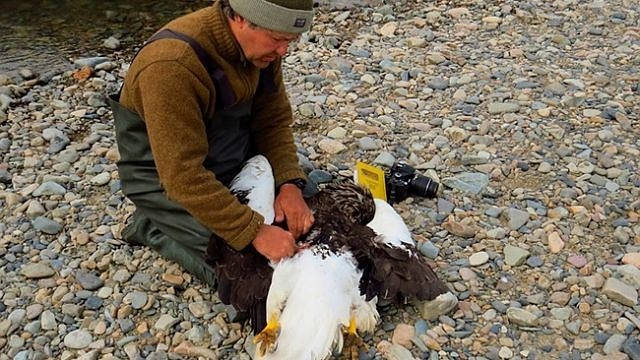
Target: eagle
316 303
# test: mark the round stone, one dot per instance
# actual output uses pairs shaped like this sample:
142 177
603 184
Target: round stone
478 258
78 339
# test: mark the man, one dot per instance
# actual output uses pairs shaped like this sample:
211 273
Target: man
203 95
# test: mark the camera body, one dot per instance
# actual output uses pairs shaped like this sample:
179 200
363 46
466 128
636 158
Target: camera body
402 181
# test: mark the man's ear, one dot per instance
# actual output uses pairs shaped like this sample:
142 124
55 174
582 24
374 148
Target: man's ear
241 22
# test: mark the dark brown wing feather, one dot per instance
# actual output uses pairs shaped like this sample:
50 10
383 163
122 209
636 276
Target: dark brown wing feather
394 273
244 277
388 272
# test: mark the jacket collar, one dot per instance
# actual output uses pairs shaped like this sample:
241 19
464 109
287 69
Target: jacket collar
221 36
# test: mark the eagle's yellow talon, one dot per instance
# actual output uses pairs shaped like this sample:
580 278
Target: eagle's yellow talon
353 342
267 337
352 327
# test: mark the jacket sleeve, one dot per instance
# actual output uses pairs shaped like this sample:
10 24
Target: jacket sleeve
271 131
170 98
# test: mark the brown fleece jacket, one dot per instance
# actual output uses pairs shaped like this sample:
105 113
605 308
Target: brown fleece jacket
171 90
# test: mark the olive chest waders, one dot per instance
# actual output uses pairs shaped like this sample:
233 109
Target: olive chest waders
158 222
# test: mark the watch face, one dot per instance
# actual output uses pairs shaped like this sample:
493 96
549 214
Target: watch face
298 182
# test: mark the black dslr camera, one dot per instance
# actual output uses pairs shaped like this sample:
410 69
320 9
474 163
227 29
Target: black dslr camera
402 182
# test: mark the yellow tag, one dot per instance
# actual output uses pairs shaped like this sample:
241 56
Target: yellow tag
372 178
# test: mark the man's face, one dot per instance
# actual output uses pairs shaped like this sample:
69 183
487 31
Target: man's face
262 46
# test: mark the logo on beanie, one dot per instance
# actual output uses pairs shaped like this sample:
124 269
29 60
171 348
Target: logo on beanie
300 22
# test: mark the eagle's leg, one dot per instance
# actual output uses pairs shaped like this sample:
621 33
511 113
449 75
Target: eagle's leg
353 342
266 339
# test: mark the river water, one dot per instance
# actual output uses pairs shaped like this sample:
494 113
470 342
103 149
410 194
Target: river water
46 35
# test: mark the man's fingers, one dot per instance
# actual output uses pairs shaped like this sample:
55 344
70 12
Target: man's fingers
278 212
308 224
294 225
295 231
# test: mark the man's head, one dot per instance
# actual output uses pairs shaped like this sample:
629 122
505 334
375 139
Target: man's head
265 28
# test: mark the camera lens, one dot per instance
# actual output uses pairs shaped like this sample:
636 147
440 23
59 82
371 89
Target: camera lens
424 186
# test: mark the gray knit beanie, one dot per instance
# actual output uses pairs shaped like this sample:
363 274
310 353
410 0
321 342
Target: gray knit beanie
291 16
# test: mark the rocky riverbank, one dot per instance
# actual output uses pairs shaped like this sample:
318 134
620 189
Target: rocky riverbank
526 112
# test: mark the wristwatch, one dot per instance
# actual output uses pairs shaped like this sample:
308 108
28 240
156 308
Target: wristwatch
298 182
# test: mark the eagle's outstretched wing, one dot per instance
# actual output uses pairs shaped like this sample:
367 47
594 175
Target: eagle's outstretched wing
392 272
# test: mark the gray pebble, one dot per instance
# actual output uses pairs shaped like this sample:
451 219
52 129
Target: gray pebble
88 280
46 225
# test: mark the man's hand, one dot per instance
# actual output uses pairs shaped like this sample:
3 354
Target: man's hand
274 243
290 206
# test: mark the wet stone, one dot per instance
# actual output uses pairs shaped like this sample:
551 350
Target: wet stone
90 61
